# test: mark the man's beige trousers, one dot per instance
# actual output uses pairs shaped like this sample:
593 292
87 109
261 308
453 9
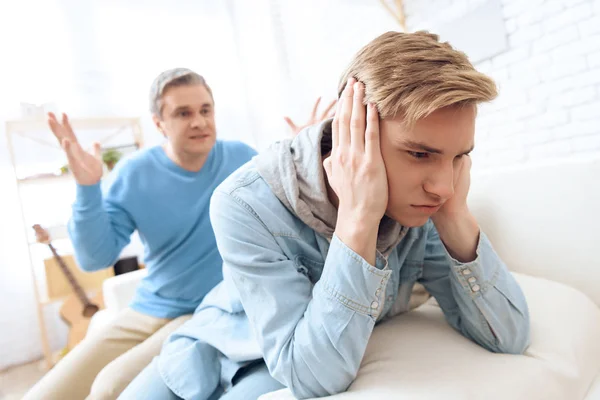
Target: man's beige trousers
104 363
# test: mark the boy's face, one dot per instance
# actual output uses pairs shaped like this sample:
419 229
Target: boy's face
421 162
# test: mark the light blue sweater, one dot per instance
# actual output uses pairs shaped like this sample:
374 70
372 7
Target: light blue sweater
169 207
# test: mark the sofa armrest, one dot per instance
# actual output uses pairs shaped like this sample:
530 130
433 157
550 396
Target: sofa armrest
418 356
540 235
119 290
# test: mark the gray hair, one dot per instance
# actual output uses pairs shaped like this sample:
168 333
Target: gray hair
173 78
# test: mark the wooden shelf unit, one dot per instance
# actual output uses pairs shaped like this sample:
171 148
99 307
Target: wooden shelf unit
55 282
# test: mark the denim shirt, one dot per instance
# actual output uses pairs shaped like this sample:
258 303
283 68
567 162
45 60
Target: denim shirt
308 304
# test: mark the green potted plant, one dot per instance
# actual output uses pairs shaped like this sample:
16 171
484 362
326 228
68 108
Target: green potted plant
110 157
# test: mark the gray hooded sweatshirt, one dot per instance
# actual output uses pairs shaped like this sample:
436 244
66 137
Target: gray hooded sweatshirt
293 169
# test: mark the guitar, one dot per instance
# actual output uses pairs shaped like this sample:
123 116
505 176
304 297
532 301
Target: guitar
77 310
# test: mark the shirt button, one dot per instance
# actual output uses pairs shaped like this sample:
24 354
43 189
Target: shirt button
475 288
466 271
377 292
375 305
472 279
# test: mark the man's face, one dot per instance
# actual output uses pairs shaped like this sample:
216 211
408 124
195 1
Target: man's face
421 162
188 119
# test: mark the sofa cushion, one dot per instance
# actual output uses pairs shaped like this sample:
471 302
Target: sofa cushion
417 355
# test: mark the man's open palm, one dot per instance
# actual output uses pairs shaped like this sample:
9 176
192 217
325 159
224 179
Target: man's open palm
86 167
314 118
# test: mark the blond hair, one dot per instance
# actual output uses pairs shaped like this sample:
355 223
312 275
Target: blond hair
414 74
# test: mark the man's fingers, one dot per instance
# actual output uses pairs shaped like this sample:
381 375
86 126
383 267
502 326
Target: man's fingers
313 115
52 118
357 122
68 130
61 129
345 114
75 150
55 127
74 158
67 146
372 143
290 123
97 151
329 111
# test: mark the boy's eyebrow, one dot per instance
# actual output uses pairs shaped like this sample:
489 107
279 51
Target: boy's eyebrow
422 146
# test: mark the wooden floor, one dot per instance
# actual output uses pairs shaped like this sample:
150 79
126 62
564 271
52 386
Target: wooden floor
16 381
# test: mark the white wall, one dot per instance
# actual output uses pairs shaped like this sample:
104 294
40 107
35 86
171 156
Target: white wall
295 51
264 59
548 78
96 59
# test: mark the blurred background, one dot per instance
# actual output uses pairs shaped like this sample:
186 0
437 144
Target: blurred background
264 59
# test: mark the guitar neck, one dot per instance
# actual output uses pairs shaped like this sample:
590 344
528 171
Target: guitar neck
72 281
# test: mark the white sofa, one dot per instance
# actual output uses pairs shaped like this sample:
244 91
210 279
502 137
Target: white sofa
544 221
117 292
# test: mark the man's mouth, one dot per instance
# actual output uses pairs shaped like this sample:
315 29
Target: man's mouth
200 136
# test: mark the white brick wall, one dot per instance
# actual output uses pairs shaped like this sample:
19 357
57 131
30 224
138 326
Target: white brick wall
548 79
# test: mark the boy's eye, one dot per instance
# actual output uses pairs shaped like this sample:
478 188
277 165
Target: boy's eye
418 154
